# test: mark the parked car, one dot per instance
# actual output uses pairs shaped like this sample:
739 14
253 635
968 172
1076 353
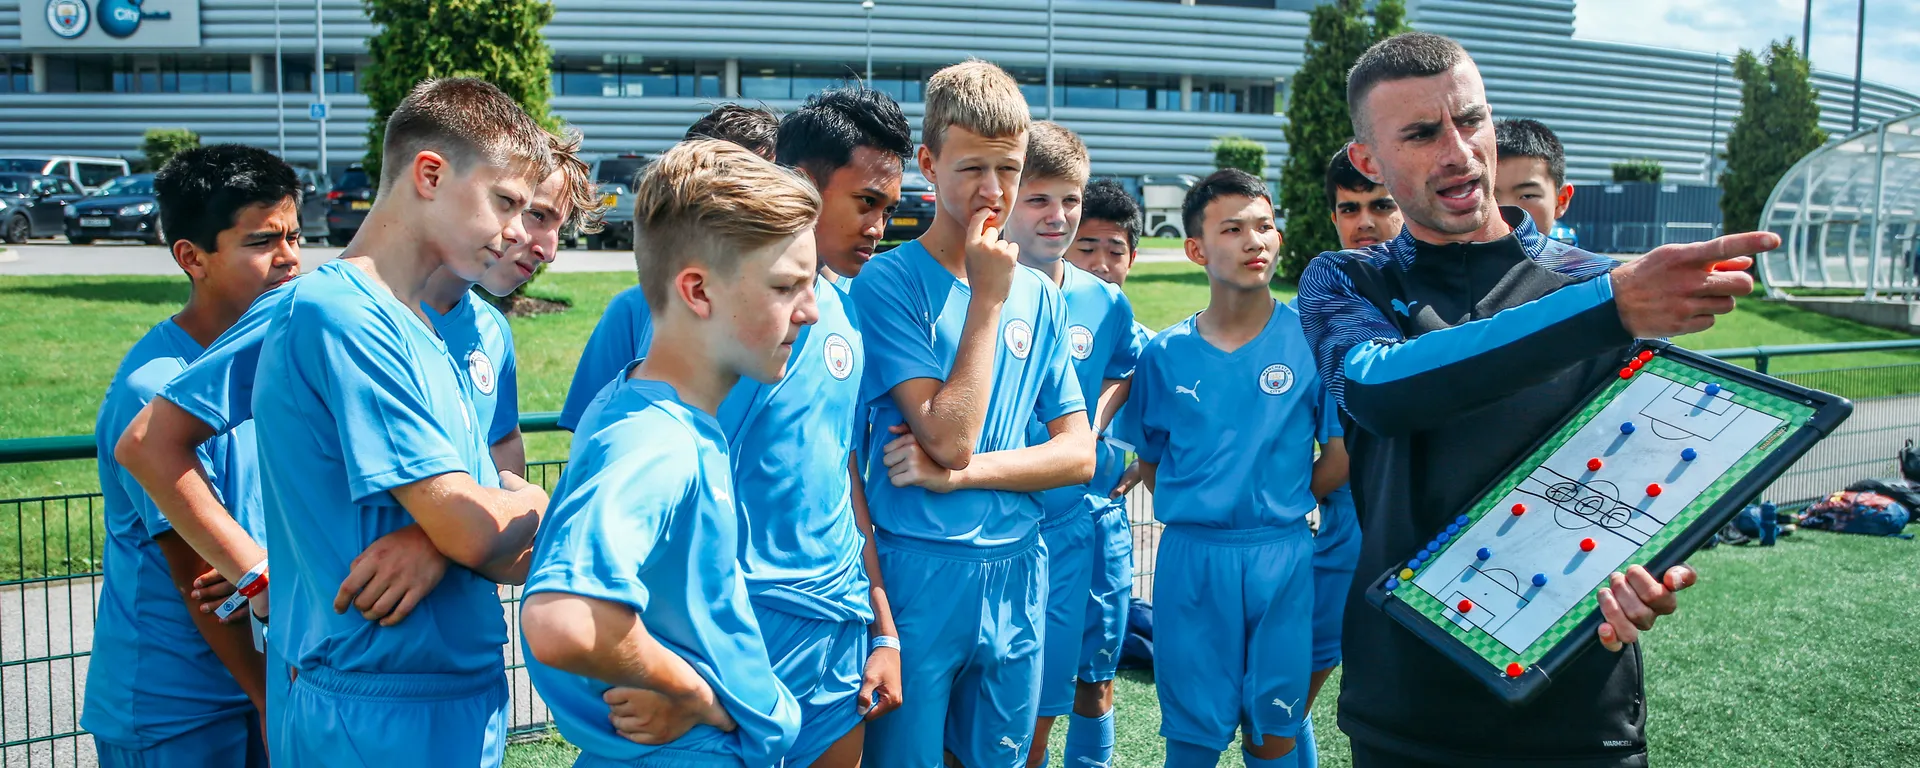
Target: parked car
1161 200
31 204
1565 234
314 187
615 176
915 212
87 172
125 208
347 205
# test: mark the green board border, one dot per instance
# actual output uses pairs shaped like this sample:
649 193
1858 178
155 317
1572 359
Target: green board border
1792 414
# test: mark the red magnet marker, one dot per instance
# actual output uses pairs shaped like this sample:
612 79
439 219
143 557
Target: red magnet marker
1519 509
1466 605
1653 489
1587 545
1514 669
1645 355
1626 373
1593 464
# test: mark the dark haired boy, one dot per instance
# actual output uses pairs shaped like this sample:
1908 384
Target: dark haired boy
1532 171
171 684
1364 213
751 127
1229 409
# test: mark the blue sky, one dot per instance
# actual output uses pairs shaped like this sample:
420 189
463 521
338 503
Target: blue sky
1893 29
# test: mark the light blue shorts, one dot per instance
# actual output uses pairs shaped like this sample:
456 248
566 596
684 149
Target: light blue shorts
822 661
1333 569
233 741
364 720
1233 632
971 623
1107 604
1070 555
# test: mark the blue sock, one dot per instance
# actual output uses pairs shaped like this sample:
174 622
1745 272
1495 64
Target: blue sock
1180 754
1090 741
1309 752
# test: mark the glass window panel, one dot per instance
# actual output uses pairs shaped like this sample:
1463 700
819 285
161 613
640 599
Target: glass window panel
766 80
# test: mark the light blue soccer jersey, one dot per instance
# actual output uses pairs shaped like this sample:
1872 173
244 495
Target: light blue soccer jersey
790 445
1232 433
911 312
481 344
360 397
624 333
153 677
217 387
643 517
1100 344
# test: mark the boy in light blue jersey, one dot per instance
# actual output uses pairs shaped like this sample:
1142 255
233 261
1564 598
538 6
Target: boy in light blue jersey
1105 246
965 350
637 578
170 685
373 431
625 329
1045 216
806 561
1230 406
214 396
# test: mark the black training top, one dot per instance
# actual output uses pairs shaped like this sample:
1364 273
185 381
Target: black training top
1449 362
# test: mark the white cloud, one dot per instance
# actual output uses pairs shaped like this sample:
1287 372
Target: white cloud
1892 34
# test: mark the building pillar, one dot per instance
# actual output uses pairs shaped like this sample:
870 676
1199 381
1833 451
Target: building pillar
262 73
39 73
1186 91
730 82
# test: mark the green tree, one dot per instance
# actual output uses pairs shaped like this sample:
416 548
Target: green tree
1779 123
162 144
499 41
1317 120
1639 169
1240 152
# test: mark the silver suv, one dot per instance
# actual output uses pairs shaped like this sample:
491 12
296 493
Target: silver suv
615 175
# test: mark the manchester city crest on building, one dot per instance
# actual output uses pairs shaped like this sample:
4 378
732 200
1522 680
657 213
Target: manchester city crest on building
1276 379
68 18
1080 342
1019 338
480 369
839 355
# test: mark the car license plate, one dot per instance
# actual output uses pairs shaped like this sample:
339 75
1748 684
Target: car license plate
96 222
361 205
610 201
906 222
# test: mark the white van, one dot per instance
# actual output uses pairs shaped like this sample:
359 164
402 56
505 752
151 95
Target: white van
88 172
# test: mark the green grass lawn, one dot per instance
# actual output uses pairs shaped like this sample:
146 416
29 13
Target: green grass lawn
1795 655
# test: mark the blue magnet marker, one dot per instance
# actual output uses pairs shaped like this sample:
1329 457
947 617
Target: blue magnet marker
1484 553
1455 528
1626 428
1539 579
1713 389
1441 539
1392 584
1689 454
1461 520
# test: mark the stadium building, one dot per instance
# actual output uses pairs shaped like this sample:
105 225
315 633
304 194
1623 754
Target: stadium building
1150 84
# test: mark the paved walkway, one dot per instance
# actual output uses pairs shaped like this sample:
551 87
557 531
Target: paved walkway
56 257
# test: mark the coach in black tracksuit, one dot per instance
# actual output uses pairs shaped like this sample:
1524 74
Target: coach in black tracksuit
1452 349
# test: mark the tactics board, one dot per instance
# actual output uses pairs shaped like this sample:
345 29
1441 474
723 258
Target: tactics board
1652 464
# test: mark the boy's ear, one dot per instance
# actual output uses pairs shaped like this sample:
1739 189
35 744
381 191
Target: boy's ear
190 259
428 172
691 286
1561 201
925 157
1194 254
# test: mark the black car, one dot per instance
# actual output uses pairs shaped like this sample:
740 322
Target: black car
30 205
347 205
313 203
124 208
915 212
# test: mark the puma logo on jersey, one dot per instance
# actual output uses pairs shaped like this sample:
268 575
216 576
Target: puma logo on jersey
1106 653
1194 391
1007 741
1405 309
1286 706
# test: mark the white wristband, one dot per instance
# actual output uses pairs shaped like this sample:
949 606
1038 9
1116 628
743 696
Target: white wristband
883 641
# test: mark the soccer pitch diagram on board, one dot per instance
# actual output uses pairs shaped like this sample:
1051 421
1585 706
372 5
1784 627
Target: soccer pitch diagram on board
1650 465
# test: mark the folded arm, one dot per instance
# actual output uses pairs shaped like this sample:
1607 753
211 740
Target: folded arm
489 530
161 450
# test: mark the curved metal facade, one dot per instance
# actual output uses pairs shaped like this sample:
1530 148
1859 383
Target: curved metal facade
1608 101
